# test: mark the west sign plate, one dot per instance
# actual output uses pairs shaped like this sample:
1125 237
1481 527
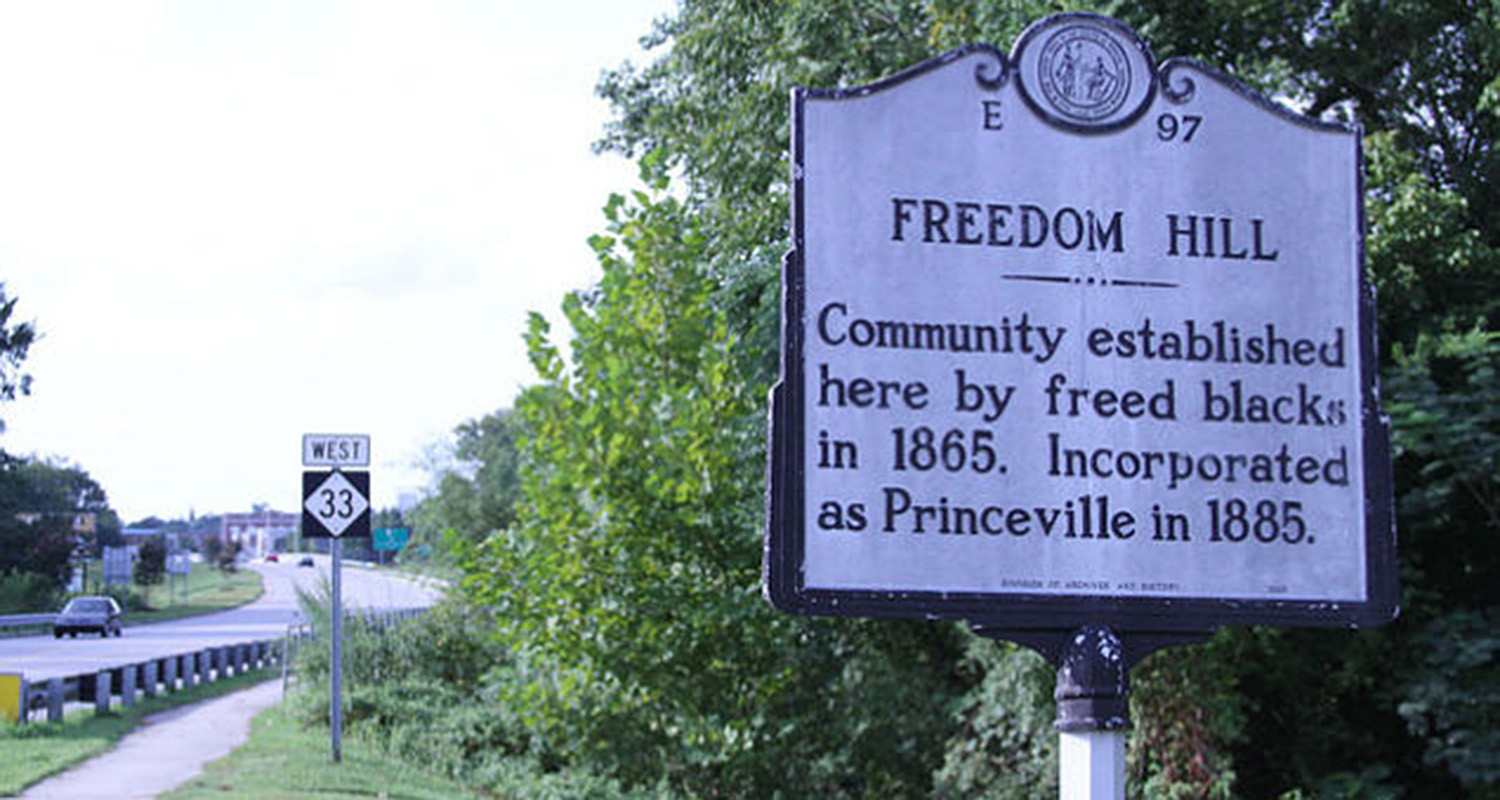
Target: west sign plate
335 450
1075 338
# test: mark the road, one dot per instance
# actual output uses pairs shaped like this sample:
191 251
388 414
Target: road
41 657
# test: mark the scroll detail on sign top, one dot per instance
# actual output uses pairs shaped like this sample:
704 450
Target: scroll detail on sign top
1070 337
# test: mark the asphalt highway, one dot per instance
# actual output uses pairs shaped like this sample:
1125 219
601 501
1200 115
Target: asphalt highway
38 658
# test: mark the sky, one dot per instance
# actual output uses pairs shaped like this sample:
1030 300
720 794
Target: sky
237 222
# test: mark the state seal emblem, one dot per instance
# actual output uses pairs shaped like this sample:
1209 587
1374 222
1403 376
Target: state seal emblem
1084 73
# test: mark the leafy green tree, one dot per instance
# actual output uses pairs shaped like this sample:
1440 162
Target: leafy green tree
221 553
16 339
629 586
151 563
478 495
1419 76
55 487
38 545
39 502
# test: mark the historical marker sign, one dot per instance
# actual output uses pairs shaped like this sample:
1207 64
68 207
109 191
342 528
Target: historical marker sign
1072 337
335 503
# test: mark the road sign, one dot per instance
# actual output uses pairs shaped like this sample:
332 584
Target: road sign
335 503
335 450
1075 338
179 564
391 539
117 566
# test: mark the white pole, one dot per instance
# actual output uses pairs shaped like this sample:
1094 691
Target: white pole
1093 715
1091 765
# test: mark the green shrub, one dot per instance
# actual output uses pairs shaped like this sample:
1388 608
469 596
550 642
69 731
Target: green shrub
128 597
1003 746
28 592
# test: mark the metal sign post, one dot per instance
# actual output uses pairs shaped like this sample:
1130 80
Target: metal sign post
336 504
1077 347
336 655
179 566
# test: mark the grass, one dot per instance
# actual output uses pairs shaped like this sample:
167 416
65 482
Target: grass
37 750
29 753
208 590
282 759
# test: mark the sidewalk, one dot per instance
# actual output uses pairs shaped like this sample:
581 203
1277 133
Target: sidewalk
168 749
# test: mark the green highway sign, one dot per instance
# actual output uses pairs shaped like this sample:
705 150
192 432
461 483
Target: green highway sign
391 539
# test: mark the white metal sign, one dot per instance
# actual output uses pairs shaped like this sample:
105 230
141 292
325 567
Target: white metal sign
1066 325
117 565
179 564
335 450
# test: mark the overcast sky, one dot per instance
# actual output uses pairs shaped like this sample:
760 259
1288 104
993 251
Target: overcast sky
237 222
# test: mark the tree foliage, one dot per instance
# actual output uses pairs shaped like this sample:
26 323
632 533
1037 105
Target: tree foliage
626 586
40 499
39 502
478 494
16 339
151 562
629 587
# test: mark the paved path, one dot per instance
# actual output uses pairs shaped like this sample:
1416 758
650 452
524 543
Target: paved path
167 751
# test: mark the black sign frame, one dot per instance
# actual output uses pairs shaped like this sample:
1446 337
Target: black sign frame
787 480
312 527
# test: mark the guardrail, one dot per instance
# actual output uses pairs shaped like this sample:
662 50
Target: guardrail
149 678
26 620
174 673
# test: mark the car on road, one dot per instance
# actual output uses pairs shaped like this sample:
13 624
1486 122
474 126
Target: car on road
272 558
306 561
83 614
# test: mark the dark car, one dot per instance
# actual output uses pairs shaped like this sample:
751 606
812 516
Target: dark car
84 614
305 561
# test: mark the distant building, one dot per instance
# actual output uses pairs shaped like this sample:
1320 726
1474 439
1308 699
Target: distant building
260 532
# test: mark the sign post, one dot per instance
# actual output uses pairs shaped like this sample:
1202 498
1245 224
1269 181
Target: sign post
179 567
1077 347
335 504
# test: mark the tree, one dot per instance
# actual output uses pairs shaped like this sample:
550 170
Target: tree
1417 76
38 545
39 503
221 553
15 344
478 495
629 585
1420 78
151 562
